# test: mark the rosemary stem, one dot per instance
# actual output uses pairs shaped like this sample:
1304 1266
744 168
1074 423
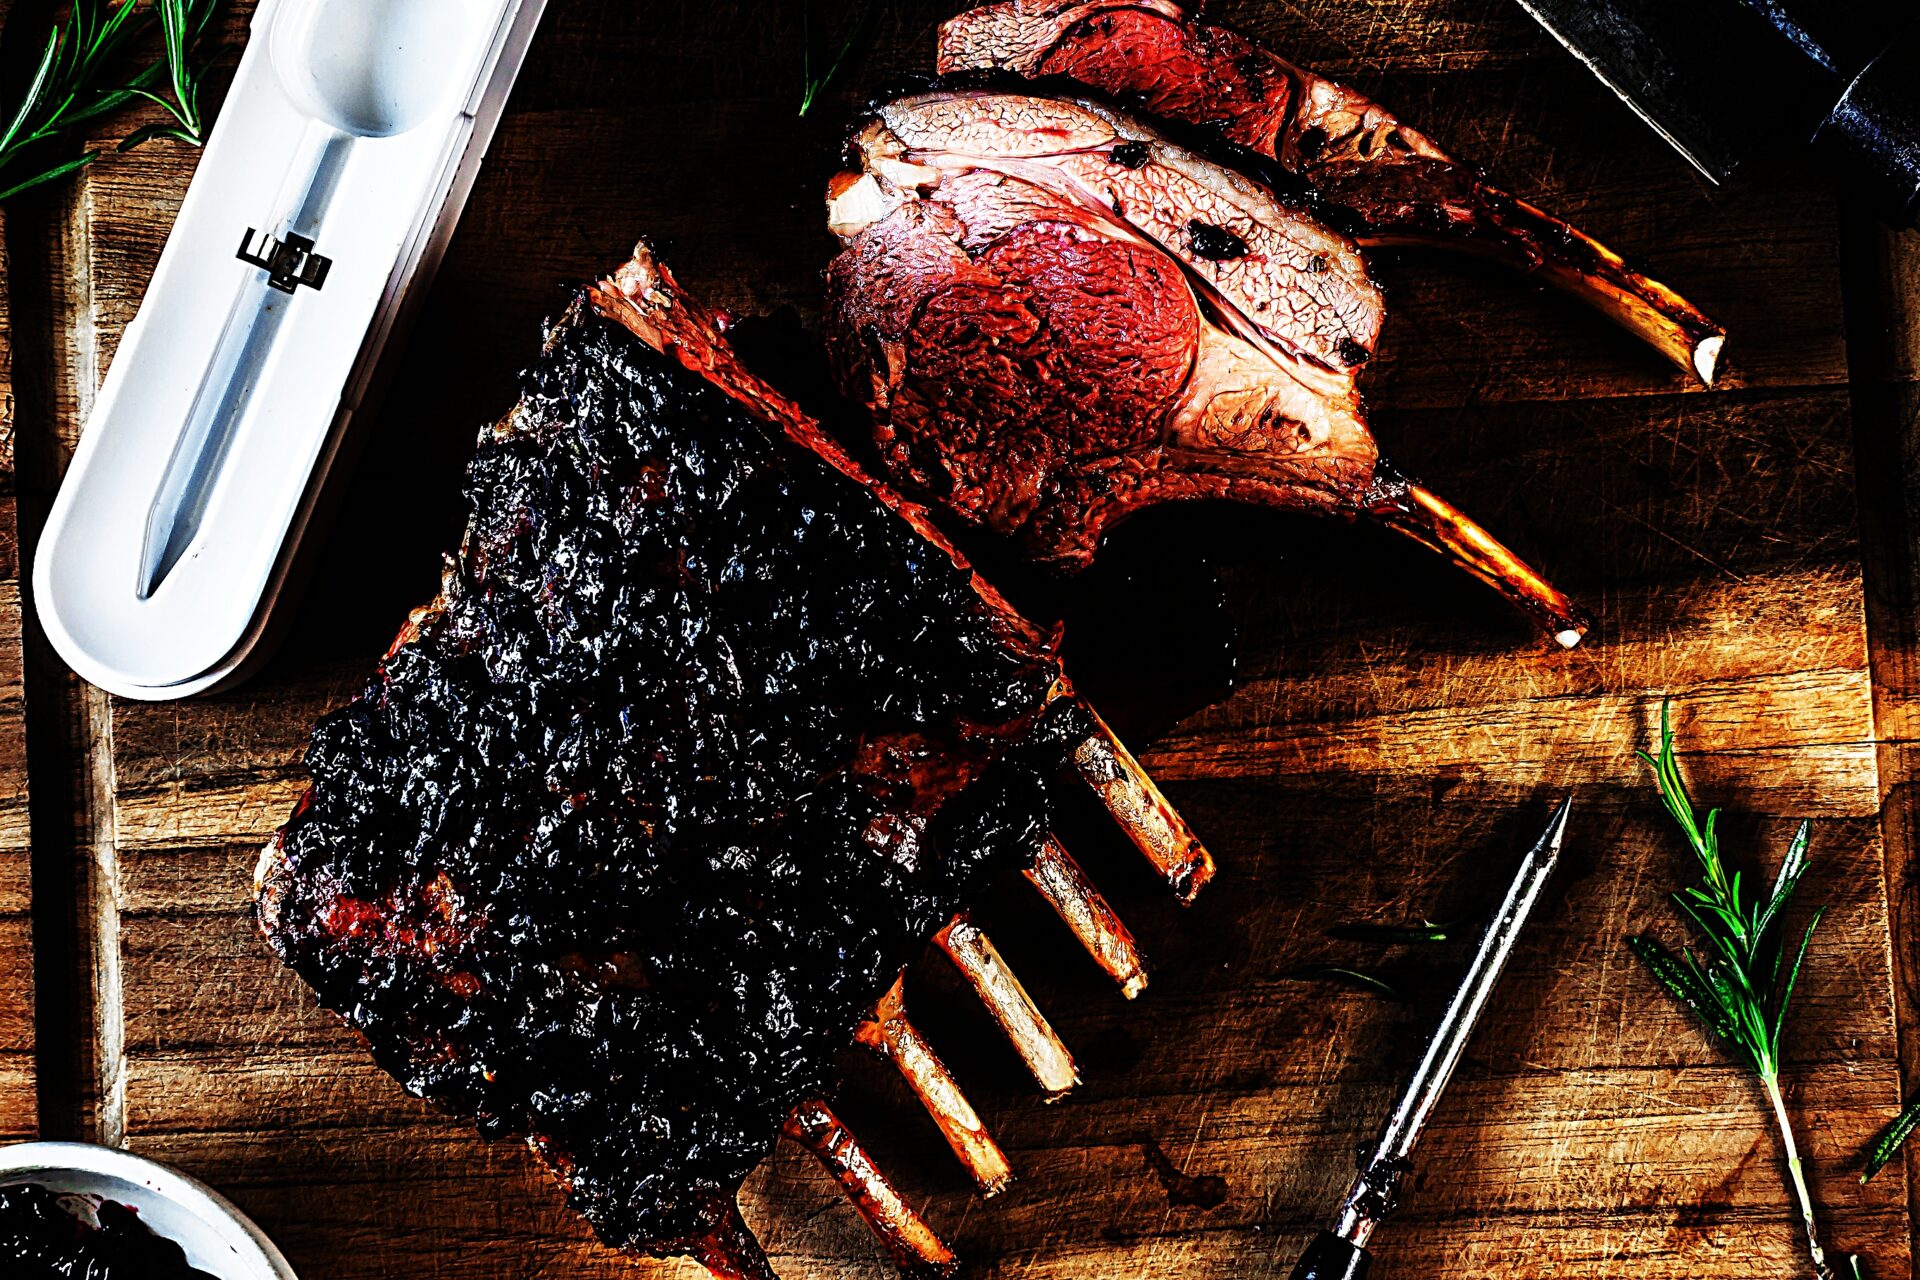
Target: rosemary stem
1796 1172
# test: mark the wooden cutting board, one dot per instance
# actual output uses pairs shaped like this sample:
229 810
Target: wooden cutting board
19 1110
1394 737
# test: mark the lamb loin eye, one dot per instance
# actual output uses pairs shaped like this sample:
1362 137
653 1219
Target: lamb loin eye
1215 244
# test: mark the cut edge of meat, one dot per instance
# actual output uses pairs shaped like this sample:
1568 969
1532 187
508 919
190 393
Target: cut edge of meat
1110 166
1006 440
644 297
1398 185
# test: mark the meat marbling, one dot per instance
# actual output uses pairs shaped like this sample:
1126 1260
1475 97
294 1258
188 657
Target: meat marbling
1387 182
1056 316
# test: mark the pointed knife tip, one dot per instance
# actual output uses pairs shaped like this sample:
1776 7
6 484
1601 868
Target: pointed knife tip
1557 828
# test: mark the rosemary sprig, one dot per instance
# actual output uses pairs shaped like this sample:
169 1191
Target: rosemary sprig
812 87
182 22
66 90
1734 985
73 83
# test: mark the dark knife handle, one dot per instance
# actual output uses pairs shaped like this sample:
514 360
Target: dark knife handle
1330 1257
1873 133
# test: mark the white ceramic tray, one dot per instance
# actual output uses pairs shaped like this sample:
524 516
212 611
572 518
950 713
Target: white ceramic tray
329 189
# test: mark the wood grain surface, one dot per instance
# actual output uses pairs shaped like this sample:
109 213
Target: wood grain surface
19 1111
1393 738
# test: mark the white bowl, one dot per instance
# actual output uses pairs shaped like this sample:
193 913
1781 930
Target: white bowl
218 1238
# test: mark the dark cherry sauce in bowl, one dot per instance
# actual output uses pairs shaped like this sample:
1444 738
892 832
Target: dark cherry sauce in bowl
50 1235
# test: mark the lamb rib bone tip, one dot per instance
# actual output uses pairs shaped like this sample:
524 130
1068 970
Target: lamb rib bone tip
1438 525
1033 1038
915 1249
890 1034
1134 799
1083 909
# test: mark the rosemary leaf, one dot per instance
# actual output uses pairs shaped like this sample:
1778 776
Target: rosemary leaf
1793 976
1891 1139
1791 870
812 87
58 171
1356 978
1684 983
1393 934
35 94
158 129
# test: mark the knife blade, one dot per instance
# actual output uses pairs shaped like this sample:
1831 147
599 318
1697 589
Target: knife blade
1721 80
1688 70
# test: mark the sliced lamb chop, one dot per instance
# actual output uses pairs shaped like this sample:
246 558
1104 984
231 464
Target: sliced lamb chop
1057 317
1392 184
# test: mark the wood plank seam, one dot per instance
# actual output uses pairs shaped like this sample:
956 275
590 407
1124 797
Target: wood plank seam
110 1055
1883 323
79 1022
110 1119
19 1117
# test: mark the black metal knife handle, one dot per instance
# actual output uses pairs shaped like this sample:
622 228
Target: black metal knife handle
1330 1257
1873 133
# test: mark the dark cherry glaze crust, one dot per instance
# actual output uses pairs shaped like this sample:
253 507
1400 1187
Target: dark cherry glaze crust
42 1238
699 746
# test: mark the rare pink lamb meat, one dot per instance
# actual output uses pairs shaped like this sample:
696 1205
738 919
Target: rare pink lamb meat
1389 183
1057 317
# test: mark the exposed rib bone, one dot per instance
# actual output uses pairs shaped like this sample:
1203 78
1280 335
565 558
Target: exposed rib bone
1510 230
1137 805
1397 183
731 1252
916 1250
980 962
1105 936
1434 523
889 1034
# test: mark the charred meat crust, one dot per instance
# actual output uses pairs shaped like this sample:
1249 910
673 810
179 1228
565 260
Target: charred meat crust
700 745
